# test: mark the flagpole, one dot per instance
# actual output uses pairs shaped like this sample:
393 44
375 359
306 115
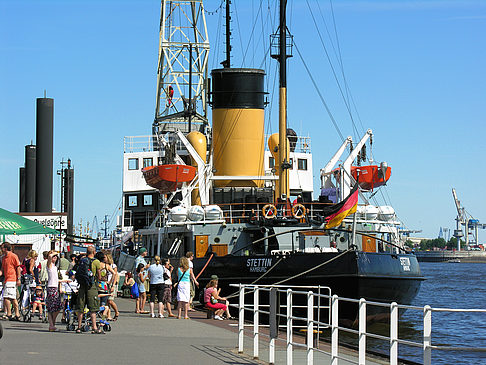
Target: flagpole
354 229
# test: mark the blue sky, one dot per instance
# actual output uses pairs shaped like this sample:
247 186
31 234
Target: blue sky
415 70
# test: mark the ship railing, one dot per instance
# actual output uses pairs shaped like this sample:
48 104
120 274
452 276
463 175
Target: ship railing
266 300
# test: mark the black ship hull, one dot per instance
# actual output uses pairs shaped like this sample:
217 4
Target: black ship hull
380 277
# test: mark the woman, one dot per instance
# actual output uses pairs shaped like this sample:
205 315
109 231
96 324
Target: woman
53 300
142 296
213 301
156 275
167 298
104 285
29 263
114 288
183 287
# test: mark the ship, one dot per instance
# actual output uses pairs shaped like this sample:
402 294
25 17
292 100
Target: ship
248 211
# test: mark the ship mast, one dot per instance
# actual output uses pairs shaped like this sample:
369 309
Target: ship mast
182 75
283 150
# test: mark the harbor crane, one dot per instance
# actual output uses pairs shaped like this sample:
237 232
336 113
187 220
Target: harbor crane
471 225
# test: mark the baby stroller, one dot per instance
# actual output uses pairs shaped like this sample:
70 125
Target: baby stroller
69 315
29 298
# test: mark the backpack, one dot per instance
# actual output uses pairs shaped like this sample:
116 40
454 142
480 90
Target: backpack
84 275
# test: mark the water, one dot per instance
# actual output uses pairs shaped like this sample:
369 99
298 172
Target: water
448 285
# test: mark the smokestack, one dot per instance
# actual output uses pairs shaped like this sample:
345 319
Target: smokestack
30 178
44 142
68 195
22 189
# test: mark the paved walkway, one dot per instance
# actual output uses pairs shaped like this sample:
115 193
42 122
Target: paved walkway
133 339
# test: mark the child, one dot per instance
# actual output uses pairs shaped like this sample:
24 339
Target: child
140 280
38 300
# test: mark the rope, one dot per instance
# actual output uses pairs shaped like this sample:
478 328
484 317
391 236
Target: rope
204 268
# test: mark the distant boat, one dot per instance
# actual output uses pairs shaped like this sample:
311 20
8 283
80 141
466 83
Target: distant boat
168 178
454 260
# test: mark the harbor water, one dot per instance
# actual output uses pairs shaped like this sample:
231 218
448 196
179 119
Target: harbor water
448 285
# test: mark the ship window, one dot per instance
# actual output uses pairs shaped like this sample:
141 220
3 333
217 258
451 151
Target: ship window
133 163
291 163
271 162
132 201
147 200
302 164
148 162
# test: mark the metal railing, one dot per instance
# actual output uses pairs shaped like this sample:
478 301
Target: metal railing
313 325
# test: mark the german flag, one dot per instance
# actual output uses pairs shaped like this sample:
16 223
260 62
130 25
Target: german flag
337 212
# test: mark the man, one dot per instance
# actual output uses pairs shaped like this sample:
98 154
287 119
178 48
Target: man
63 262
72 257
88 294
190 257
11 272
140 259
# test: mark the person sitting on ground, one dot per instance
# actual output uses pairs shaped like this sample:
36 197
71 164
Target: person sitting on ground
156 275
213 301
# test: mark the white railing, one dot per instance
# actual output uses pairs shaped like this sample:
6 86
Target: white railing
312 325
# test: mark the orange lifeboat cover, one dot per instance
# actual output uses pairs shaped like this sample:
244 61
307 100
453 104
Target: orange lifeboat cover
168 178
370 177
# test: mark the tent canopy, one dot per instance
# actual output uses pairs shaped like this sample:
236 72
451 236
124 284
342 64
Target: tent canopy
11 223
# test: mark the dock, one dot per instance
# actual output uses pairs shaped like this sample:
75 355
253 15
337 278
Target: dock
136 338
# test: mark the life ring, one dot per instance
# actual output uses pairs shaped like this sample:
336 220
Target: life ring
269 211
298 211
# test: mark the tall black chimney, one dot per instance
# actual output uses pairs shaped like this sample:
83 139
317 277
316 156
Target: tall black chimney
30 178
44 142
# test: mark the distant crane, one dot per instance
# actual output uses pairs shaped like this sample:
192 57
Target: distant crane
470 224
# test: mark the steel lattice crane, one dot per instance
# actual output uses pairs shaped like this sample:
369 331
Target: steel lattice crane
471 225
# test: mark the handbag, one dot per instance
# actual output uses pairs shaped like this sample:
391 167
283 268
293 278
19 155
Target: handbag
134 291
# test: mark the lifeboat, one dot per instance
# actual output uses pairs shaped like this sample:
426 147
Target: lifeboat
372 176
168 178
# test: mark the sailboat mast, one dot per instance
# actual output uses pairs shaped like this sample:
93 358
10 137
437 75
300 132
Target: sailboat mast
283 151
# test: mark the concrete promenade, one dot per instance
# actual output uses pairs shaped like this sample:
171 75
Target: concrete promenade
134 339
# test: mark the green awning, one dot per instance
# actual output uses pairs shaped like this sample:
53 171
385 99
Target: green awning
11 223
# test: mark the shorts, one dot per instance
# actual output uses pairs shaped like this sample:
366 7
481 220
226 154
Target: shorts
193 290
167 297
216 306
88 297
10 290
156 290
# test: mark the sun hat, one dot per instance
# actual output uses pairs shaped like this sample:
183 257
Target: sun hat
142 250
214 277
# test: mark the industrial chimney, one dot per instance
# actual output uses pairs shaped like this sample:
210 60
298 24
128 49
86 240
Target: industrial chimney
44 143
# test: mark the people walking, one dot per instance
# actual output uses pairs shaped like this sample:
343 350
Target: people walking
156 276
53 300
114 284
11 273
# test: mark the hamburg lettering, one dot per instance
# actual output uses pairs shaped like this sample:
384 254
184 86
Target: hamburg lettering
258 265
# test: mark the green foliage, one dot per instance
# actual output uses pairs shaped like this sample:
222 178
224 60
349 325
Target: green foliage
439 243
